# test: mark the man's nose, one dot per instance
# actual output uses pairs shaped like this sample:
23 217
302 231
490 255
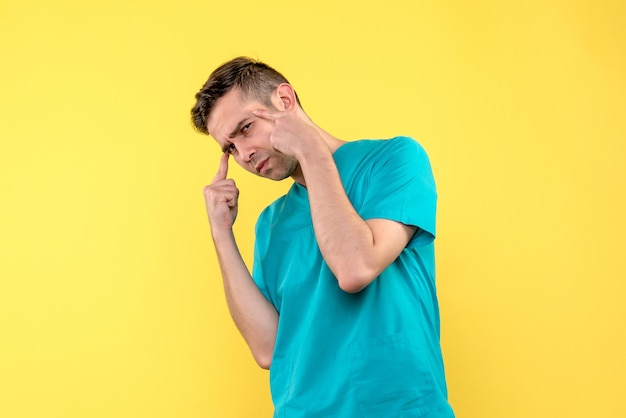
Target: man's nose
247 153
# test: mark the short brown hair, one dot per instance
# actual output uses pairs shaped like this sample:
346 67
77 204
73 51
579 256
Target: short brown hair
254 79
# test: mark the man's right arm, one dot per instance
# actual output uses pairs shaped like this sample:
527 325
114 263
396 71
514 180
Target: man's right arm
255 317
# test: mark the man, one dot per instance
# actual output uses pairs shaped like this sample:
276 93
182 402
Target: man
341 303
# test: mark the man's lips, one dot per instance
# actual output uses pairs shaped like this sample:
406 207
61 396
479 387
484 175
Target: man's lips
260 166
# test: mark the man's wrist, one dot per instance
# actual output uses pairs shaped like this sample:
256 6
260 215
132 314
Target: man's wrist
220 234
315 156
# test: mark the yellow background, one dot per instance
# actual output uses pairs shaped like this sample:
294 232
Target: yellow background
111 303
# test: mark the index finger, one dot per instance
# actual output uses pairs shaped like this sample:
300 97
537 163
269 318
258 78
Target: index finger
265 114
223 169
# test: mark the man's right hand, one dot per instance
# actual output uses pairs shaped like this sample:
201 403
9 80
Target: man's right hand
220 198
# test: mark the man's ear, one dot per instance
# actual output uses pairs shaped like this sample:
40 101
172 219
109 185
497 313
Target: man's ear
284 97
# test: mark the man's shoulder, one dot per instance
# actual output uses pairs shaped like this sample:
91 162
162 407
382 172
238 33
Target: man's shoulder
375 151
369 144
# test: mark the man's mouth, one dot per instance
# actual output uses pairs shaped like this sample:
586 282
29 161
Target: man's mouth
261 166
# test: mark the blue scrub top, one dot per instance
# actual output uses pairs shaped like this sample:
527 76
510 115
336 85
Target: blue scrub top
375 353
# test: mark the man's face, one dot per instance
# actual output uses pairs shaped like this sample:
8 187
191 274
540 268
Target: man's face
247 137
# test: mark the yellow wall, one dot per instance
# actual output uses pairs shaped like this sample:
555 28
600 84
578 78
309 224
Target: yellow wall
110 298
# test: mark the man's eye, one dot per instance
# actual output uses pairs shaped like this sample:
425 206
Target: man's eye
246 127
230 149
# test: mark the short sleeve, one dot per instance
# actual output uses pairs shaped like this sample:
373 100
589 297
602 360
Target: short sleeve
401 187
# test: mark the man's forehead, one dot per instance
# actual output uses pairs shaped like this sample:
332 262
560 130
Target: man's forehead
226 108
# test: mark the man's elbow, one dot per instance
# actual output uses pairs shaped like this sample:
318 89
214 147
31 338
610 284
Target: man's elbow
355 281
263 358
263 362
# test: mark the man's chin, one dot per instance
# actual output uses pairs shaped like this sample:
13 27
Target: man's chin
278 178
270 175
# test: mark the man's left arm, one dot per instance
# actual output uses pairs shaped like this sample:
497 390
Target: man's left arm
356 251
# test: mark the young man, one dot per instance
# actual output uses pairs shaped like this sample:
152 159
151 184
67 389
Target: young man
341 304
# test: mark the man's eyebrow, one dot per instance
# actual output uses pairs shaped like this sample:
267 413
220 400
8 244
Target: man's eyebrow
234 133
237 128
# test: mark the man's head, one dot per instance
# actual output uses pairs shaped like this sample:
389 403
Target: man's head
226 107
252 78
